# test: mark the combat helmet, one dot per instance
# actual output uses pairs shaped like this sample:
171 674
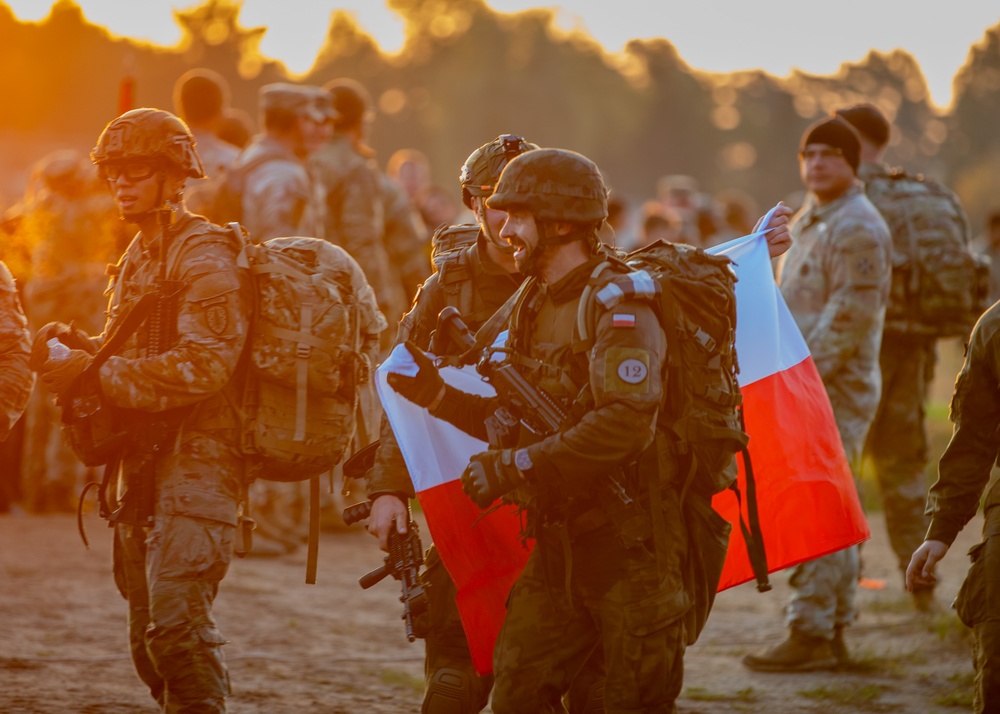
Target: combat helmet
553 185
149 134
484 165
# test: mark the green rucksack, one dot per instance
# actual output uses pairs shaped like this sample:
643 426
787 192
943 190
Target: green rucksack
940 287
700 417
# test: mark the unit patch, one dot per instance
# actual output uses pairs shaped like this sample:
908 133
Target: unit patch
626 369
216 318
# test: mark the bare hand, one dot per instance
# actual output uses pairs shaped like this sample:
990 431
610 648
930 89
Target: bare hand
388 512
920 571
779 239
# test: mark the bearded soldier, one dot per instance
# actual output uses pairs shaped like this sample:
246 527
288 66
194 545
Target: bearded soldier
178 318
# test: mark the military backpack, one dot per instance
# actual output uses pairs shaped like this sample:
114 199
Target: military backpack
940 287
447 241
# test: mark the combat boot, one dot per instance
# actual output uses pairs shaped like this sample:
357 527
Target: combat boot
838 647
798 653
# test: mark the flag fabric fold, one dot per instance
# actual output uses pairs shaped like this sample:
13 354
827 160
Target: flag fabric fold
807 502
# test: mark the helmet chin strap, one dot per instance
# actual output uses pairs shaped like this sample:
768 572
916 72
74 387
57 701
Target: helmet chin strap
496 241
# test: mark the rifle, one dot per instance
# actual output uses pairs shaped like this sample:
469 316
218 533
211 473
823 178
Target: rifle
403 562
543 416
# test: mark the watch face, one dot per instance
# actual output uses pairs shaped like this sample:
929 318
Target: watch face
522 460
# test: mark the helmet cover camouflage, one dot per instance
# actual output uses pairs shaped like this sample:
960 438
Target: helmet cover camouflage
484 165
149 134
553 185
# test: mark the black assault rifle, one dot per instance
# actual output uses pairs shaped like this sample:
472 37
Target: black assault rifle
403 562
541 415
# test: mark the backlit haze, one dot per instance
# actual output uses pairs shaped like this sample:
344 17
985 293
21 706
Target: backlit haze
717 36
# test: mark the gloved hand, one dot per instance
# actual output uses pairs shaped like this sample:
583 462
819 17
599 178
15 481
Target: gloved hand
57 375
490 475
423 388
72 337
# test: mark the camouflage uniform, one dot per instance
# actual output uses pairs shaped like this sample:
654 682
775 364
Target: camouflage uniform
73 228
954 499
405 237
354 214
170 573
477 287
16 379
835 279
279 198
582 588
897 441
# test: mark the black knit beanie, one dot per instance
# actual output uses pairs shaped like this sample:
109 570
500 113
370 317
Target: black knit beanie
837 133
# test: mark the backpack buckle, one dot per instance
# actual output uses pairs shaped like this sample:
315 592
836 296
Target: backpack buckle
302 350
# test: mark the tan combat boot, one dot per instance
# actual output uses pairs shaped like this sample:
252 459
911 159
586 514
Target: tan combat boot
799 653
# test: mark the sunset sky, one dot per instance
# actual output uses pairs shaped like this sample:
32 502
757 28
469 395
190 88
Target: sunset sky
719 36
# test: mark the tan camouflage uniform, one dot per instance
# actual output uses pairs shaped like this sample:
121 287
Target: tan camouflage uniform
73 229
355 216
16 379
954 499
405 239
835 279
279 197
170 573
897 441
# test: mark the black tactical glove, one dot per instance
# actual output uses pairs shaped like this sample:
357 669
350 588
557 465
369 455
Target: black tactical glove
490 475
72 337
423 388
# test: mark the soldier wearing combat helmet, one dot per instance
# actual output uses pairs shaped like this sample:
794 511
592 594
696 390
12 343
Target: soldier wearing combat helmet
179 460
580 576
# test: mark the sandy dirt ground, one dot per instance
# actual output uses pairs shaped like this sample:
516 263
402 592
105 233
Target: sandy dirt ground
332 647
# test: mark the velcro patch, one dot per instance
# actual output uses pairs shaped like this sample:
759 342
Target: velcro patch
626 370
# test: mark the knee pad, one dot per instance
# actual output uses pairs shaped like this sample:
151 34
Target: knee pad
450 691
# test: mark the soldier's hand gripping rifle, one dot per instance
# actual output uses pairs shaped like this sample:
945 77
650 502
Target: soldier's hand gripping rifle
403 562
541 415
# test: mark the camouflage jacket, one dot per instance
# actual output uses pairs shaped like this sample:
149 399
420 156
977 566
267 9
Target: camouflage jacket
612 391
279 197
835 279
405 237
16 379
355 216
490 286
213 309
965 467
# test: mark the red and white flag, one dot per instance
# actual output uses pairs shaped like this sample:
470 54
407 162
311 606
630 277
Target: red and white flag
807 502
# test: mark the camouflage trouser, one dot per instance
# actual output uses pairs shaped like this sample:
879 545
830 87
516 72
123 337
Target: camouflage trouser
897 441
619 603
978 605
446 645
823 593
170 575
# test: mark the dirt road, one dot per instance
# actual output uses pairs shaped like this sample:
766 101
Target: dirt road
332 647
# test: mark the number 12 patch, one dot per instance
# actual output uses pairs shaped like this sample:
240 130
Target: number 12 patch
626 369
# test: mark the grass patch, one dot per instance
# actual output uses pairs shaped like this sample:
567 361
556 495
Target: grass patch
403 680
700 694
961 693
861 697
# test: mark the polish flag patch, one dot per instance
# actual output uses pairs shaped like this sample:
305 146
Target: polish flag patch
622 319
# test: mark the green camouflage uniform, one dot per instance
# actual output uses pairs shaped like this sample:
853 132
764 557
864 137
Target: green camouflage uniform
954 499
354 214
897 441
170 573
477 287
835 279
16 379
582 590
279 197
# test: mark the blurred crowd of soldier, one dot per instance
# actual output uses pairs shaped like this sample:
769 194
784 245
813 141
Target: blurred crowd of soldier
308 171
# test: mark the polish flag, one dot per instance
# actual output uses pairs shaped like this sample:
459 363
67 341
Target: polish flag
807 502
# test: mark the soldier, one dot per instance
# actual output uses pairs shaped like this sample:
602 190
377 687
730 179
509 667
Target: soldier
16 379
835 279
582 588
279 197
201 97
405 237
346 171
897 441
476 278
964 473
181 467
